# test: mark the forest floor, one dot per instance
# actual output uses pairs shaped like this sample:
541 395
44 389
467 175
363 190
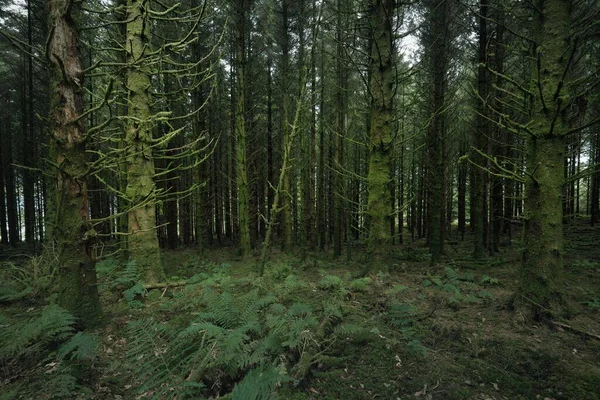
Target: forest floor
442 332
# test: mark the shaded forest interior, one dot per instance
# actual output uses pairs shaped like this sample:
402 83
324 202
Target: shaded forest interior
300 199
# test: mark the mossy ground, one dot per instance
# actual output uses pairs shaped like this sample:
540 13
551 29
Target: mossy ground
435 333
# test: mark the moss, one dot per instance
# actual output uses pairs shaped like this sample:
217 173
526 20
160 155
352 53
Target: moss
379 206
141 190
542 262
72 232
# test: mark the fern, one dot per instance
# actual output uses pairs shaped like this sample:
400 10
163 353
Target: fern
82 346
361 284
240 340
330 282
451 274
19 339
46 340
258 384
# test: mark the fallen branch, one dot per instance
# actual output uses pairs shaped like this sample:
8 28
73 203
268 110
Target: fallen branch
164 285
571 328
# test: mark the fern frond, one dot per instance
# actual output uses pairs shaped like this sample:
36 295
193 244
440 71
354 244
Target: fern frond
82 346
451 274
258 384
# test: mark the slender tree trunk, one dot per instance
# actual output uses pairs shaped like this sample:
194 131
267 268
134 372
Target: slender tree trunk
287 183
12 209
341 89
3 220
478 198
240 128
437 131
381 86
321 201
594 195
73 232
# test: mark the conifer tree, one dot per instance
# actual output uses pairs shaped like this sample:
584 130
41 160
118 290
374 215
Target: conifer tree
73 232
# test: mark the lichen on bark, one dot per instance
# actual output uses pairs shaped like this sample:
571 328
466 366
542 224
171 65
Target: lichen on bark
141 190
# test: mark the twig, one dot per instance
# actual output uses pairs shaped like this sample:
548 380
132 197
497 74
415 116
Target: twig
164 285
572 328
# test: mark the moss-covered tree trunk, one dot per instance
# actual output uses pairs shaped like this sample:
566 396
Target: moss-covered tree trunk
340 134
285 120
240 127
73 232
542 262
141 190
381 86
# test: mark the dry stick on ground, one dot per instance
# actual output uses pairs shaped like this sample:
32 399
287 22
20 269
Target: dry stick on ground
562 324
577 330
164 285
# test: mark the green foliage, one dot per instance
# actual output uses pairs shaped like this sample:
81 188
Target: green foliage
330 282
126 280
35 276
586 265
361 284
243 342
82 346
333 284
258 384
460 288
395 290
488 280
22 339
45 338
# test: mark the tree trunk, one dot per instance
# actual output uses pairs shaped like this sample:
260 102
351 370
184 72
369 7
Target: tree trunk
73 232
286 202
541 280
240 128
478 198
141 190
381 86
3 221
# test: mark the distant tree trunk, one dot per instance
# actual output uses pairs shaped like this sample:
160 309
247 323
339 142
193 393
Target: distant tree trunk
478 198
73 232
594 206
312 197
541 280
437 171
287 184
240 127
461 184
340 134
3 221
29 141
141 190
321 201
12 209
381 87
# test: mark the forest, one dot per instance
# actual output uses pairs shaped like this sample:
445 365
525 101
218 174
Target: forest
300 199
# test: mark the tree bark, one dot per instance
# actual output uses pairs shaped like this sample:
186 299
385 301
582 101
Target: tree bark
141 190
73 232
240 128
381 87
542 263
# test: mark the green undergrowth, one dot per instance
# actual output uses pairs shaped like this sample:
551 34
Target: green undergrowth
309 330
254 337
